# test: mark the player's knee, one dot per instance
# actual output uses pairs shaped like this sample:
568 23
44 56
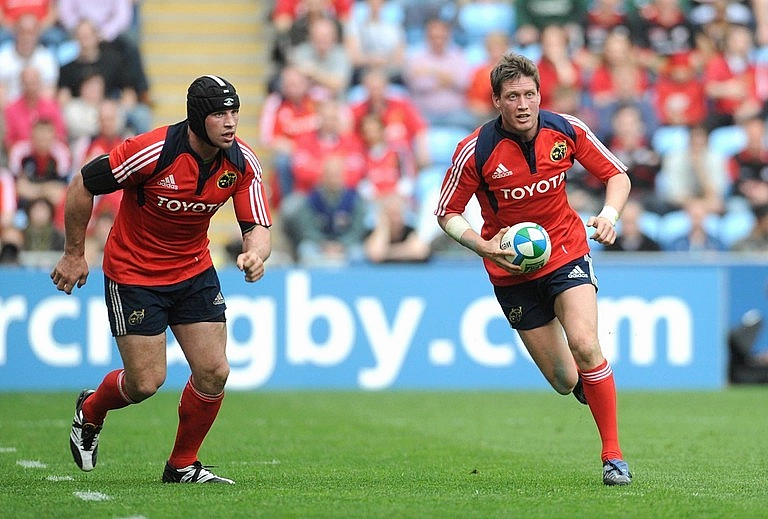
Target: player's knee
144 387
563 380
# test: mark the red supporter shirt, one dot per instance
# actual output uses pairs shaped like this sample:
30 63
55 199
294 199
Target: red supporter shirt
402 120
717 70
527 182
281 118
160 234
295 8
680 102
313 149
386 166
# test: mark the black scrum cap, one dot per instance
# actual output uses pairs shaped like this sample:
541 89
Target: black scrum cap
207 95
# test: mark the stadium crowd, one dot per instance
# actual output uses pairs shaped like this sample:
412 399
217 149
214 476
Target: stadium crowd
368 99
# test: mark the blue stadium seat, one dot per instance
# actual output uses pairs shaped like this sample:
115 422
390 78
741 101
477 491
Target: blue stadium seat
649 223
735 225
442 142
667 138
476 20
727 140
677 223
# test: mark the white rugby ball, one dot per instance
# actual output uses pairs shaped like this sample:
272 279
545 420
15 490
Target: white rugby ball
530 244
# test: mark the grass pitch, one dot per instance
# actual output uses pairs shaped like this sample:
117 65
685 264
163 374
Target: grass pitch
397 454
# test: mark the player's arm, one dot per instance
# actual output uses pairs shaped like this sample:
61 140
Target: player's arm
257 247
95 178
458 228
616 193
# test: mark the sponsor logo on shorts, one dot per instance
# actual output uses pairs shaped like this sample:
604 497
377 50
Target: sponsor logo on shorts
219 299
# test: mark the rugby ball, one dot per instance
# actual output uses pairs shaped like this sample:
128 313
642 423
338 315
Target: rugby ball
530 245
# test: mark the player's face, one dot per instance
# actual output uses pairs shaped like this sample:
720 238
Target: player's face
519 107
221 127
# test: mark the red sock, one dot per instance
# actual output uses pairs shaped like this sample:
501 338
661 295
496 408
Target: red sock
197 411
109 395
600 391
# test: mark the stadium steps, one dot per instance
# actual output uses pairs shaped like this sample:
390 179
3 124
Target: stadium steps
184 39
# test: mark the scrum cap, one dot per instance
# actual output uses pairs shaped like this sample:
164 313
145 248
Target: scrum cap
206 95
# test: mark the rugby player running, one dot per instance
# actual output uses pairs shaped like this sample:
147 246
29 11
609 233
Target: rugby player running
516 167
158 271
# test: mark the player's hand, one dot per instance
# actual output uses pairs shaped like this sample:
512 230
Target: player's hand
68 271
252 265
500 257
605 232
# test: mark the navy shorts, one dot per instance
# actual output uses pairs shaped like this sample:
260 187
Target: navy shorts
144 310
532 304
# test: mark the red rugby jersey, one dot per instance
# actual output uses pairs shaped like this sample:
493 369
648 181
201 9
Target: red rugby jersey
160 234
526 182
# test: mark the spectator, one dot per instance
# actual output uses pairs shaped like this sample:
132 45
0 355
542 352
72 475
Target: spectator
26 51
695 172
749 167
679 96
729 80
416 14
81 113
630 144
10 238
698 238
110 131
479 92
625 79
374 40
618 59
328 224
41 165
291 20
662 29
712 20
32 105
40 234
94 57
532 17
393 238
286 114
46 12
333 137
114 21
631 237
388 168
437 77
556 67
323 59
404 125
757 240
602 18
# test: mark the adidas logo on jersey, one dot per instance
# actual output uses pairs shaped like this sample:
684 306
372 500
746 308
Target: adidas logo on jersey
501 171
577 272
168 182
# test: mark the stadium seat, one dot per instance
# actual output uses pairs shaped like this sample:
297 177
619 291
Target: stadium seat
677 223
391 12
734 226
727 140
649 223
442 142
667 138
476 20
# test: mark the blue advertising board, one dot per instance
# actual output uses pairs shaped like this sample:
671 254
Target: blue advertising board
433 326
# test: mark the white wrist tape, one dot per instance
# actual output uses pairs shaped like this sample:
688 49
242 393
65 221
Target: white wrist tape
610 213
456 226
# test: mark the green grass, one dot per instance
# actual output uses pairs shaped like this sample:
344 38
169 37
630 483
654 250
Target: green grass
398 454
